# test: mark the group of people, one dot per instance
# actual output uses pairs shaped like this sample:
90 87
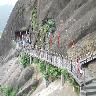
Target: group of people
24 41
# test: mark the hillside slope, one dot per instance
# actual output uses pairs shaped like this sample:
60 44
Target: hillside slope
75 22
78 23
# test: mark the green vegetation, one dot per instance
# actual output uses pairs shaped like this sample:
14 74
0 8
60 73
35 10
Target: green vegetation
74 84
54 73
7 91
45 29
24 59
71 80
34 19
65 74
48 26
42 68
35 60
42 29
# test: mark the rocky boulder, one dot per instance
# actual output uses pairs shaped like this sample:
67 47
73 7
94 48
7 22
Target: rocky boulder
25 75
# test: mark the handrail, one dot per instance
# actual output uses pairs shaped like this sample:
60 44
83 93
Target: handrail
57 61
89 58
60 62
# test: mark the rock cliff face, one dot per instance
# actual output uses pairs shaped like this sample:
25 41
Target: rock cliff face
77 31
75 21
19 18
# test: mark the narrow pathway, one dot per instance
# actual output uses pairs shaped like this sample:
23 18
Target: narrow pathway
60 62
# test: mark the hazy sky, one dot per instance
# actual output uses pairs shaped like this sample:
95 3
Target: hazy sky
6 7
7 2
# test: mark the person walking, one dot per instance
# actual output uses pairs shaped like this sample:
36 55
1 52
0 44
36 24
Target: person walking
23 41
79 68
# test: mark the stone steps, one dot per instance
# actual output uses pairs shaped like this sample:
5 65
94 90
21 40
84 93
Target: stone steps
91 92
91 86
88 93
90 83
90 89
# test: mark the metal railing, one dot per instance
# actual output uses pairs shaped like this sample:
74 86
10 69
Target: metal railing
60 62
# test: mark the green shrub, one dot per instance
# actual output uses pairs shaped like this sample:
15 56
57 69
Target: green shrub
55 73
24 59
44 31
35 61
51 71
65 74
7 91
34 23
42 67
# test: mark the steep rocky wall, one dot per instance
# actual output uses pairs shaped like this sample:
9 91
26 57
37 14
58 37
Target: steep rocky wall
79 22
19 18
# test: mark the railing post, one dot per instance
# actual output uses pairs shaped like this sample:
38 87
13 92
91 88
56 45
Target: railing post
40 53
62 61
62 80
56 60
44 55
53 59
84 80
30 55
47 81
71 66
59 60
92 56
47 55
30 59
80 91
51 56
62 76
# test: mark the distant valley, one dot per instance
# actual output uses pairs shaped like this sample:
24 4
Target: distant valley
5 11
